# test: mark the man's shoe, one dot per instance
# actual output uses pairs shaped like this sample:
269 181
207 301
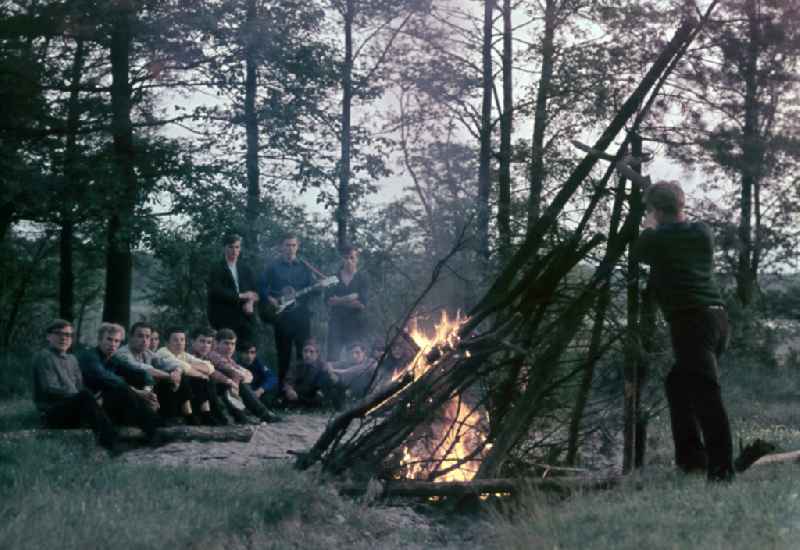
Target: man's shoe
208 419
270 417
193 420
222 418
239 417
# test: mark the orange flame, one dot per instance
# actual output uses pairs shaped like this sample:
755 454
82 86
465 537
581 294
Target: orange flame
455 444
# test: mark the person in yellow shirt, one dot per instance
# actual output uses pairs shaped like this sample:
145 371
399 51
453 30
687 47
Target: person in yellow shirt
198 374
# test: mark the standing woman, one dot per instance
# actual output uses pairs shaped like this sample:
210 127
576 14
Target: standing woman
347 302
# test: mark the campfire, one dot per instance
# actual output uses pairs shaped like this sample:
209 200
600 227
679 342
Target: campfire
451 446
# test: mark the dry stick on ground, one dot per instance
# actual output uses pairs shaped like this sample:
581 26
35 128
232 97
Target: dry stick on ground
475 488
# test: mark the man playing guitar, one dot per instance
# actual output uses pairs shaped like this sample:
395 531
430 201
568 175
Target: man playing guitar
285 278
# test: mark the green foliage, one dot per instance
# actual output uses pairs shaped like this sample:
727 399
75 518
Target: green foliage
15 374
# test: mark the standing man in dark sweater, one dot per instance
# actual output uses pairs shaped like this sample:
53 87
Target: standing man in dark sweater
232 292
680 255
283 278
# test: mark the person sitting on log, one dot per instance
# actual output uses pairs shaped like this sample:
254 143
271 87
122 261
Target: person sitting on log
681 258
65 402
198 374
102 374
155 340
202 343
164 375
222 359
356 374
311 382
265 380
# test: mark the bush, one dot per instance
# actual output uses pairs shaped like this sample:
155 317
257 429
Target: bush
15 374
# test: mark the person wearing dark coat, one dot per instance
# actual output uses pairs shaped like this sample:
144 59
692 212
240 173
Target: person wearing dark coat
232 293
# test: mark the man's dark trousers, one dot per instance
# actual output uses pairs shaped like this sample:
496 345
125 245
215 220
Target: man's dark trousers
700 427
79 410
291 331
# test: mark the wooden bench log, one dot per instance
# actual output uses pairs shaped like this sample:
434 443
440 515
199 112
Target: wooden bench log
171 434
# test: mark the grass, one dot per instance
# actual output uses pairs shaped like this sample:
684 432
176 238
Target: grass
53 494
660 508
665 510
56 496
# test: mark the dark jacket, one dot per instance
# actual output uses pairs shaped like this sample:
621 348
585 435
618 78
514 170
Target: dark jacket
282 274
224 305
98 372
263 376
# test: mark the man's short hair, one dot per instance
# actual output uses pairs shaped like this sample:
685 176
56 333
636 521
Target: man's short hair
666 196
109 328
245 345
360 345
288 236
56 325
346 249
311 342
172 330
202 331
231 238
225 334
140 324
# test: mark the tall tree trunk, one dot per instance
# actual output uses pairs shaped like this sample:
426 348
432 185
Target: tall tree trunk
7 212
343 209
251 127
66 275
119 254
484 171
504 179
751 159
536 170
18 297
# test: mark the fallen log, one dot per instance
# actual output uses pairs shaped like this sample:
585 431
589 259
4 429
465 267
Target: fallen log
171 434
407 488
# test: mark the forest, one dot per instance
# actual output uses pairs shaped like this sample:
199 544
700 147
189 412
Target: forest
447 141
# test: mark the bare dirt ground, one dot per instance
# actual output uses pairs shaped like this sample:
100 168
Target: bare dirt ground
297 432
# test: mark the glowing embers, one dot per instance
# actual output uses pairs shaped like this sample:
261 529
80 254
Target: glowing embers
450 449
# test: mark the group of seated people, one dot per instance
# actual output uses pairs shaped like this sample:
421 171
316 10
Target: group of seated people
210 383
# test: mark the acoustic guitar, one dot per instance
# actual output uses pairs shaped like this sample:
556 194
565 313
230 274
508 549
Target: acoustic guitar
287 300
